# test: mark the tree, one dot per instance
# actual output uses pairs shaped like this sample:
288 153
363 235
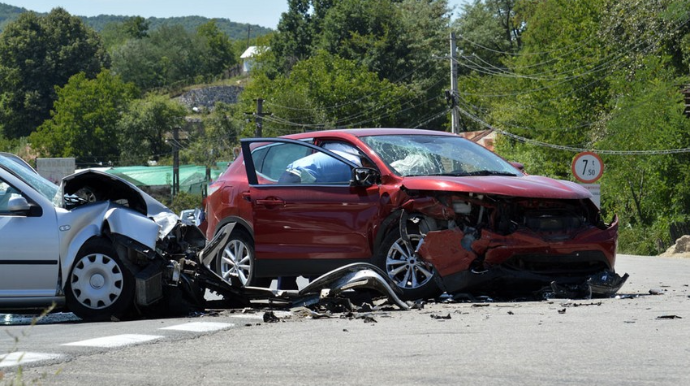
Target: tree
295 36
556 88
490 31
171 55
38 53
326 91
221 54
143 127
220 135
648 191
84 120
117 33
398 40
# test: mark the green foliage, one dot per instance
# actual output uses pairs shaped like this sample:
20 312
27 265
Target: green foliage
397 41
647 114
85 118
171 54
115 34
216 142
143 127
36 54
590 75
221 53
326 91
489 29
182 201
234 30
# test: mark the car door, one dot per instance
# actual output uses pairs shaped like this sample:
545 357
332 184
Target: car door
29 243
319 218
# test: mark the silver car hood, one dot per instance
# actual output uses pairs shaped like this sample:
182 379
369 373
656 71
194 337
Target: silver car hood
95 186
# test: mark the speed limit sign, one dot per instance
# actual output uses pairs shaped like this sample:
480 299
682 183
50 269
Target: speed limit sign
587 167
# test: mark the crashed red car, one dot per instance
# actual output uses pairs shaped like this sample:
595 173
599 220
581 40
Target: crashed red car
436 212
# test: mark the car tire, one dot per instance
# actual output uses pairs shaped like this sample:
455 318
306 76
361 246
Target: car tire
412 276
237 258
99 286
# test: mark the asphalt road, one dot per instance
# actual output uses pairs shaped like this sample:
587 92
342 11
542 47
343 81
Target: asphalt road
635 339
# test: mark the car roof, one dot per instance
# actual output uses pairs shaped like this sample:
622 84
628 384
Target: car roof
18 160
344 133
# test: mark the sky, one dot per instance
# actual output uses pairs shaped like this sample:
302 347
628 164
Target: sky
265 13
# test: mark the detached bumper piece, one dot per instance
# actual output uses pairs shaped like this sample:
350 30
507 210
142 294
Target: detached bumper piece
326 289
602 285
510 284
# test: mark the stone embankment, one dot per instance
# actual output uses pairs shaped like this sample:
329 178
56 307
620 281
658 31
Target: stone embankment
206 98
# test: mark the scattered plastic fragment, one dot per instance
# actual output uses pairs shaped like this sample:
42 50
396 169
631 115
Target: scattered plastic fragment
270 317
669 317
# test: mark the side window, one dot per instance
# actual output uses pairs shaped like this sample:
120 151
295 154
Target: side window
291 164
6 193
272 160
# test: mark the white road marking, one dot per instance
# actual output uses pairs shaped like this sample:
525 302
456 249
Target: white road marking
22 357
115 340
200 326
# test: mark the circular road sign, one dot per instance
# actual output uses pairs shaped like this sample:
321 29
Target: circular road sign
587 167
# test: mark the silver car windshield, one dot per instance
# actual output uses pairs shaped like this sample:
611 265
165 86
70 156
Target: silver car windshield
46 188
437 155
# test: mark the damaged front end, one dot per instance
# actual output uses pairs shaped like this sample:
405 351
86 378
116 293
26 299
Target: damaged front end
155 247
511 246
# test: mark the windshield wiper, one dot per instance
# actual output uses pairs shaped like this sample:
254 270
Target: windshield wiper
465 174
490 173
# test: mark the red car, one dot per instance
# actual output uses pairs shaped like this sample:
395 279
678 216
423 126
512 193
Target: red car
436 212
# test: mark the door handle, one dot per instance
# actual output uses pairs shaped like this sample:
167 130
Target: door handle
270 202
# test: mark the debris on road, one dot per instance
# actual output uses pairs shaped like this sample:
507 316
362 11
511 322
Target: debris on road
669 317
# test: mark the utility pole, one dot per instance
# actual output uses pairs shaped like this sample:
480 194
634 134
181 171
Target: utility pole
453 86
259 118
176 161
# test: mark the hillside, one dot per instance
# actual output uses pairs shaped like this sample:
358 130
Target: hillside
234 30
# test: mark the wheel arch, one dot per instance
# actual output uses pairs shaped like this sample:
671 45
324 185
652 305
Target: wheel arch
240 225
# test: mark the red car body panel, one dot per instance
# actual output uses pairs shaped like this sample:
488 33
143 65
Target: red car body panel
341 223
527 186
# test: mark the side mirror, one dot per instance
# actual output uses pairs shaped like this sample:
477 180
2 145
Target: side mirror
519 166
18 204
364 177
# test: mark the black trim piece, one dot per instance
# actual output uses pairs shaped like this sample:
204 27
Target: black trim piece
28 262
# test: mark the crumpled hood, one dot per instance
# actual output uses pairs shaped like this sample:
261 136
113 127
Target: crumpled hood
524 186
108 187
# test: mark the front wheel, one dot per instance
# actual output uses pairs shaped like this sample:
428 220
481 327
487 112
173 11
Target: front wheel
237 259
410 273
99 286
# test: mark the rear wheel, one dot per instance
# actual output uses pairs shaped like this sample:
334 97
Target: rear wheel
99 286
237 259
410 273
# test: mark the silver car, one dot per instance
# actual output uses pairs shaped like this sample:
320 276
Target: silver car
96 244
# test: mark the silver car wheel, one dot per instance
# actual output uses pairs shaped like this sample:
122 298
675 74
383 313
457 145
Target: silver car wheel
97 281
404 268
236 261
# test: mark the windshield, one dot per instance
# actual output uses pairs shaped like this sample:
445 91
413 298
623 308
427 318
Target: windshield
437 155
46 188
